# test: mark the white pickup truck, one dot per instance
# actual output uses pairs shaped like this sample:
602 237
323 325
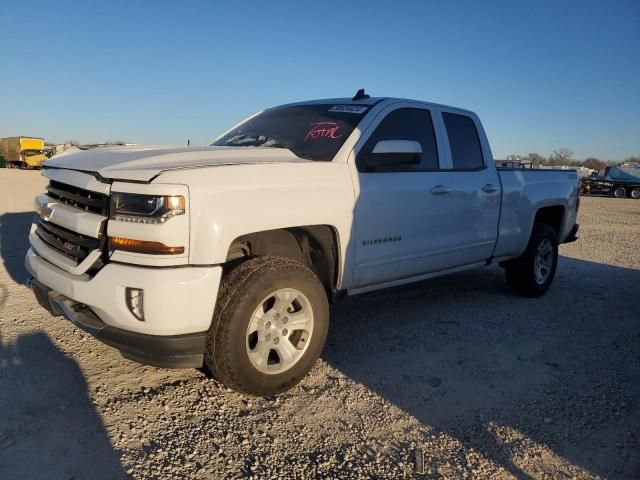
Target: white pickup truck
227 256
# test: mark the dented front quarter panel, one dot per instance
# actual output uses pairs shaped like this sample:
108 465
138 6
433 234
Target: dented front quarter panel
227 202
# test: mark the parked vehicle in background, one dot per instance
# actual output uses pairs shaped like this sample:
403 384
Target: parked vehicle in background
227 256
620 181
53 150
516 163
22 152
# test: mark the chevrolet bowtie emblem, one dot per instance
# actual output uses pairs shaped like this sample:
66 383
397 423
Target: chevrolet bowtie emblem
68 246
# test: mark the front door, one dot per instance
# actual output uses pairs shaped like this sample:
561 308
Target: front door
398 224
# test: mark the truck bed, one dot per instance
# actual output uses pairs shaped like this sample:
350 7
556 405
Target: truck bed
524 191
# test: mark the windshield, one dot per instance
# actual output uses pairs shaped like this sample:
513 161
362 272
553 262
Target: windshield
313 132
31 153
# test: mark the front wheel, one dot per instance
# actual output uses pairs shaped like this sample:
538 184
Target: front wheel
531 274
269 326
635 193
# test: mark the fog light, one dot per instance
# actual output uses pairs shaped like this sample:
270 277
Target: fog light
135 302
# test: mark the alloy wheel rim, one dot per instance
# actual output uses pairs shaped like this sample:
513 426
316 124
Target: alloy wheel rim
279 331
543 262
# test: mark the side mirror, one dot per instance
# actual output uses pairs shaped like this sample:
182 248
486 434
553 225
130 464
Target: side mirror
393 153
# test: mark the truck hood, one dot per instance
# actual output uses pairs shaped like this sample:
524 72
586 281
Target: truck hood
143 163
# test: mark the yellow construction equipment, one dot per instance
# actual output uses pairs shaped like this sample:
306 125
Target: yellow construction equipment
22 152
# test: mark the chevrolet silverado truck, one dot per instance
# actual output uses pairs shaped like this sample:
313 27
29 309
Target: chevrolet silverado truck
227 256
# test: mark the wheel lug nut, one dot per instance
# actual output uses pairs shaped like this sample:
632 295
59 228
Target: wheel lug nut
267 325
268 336
284 320
284 331
276 316
276 340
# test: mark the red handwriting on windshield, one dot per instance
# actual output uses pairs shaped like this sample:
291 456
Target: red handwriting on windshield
323 129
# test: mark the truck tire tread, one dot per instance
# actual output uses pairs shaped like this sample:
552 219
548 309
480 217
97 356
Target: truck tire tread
520 271
237 283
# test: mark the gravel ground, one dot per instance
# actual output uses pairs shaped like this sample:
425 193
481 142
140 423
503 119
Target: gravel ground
483 383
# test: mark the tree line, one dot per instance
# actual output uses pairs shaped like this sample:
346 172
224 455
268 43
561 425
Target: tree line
564 157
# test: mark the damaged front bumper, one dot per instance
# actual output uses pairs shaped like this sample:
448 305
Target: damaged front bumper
169 351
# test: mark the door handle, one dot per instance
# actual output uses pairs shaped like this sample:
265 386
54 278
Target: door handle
439 190
489 188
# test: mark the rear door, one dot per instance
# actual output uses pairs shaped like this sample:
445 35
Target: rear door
472 190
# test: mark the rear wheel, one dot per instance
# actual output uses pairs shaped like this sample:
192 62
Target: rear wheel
635 193
269 326
531 274
619 192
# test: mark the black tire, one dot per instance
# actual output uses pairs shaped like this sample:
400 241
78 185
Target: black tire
619 192
521 272
635 193
241 291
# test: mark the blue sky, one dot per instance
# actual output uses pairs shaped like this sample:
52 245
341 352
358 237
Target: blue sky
541 75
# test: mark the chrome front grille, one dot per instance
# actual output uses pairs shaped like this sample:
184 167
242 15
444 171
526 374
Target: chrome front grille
69 230
87 200
66 242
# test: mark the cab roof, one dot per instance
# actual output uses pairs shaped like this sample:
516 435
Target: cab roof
371 102
339 101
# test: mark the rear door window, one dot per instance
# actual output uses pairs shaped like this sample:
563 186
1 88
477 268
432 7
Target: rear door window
466 152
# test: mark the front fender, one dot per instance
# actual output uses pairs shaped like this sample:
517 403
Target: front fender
229 201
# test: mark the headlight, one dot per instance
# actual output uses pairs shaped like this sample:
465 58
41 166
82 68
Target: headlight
133 207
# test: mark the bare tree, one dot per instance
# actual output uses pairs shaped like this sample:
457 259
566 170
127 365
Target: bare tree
535 158
594 163
561 156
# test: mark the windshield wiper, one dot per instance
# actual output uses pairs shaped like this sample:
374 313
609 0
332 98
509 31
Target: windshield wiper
306 156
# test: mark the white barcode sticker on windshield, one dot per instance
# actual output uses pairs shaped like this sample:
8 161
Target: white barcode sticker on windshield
348 109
